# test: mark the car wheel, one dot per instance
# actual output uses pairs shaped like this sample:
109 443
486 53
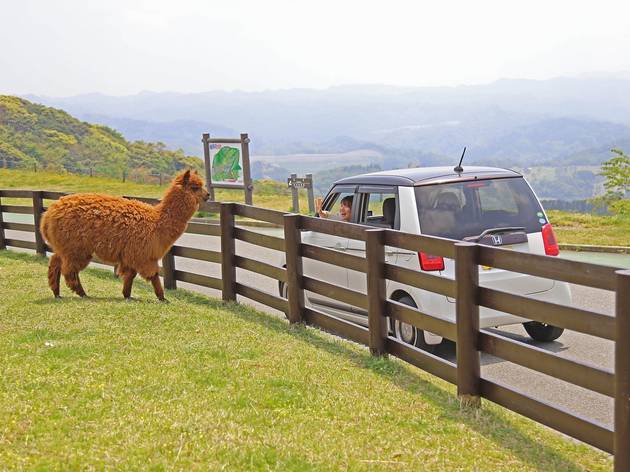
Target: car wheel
410 334
283 289
284 293
542 332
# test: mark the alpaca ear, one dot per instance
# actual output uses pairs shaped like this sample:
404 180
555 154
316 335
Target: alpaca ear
186 177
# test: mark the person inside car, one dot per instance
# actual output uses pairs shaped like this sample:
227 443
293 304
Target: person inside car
345 209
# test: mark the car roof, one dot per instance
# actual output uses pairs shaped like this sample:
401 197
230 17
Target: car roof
426 176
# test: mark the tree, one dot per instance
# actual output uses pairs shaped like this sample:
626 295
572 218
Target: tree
617 173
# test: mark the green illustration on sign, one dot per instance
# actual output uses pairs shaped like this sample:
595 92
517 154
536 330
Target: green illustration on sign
225 165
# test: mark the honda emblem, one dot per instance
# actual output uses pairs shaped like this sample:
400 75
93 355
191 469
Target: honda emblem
496 240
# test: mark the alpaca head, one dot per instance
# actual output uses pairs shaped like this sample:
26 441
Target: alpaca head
192 184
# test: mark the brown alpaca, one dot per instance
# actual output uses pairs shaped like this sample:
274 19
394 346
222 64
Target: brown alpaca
131 234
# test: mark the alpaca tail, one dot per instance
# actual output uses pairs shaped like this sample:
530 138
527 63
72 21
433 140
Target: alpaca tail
43 228
54 274
43 225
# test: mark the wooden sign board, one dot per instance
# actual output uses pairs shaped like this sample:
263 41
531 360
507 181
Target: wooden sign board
300 182
295 183
226 163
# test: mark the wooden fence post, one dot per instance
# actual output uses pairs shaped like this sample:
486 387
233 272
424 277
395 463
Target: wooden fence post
295 290
247 176
467 317
207 164
294 195
38 209
310 193
376 295
168 269
228 251
3 244
621 437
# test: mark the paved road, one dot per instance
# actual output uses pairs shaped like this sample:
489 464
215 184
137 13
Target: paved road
572 345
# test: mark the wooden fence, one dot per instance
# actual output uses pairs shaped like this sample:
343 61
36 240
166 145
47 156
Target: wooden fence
471 341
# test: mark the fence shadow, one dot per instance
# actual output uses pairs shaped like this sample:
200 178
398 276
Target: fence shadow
488 423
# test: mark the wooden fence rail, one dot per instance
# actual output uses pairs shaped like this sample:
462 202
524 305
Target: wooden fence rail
471 340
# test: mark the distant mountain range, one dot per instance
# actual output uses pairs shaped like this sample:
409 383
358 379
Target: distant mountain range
515 122
511 123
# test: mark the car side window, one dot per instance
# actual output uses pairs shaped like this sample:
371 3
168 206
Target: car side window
380 209
334 203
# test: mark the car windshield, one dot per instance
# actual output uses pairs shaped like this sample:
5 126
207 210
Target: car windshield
464 209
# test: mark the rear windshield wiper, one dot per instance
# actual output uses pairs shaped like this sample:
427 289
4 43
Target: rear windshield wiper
507 229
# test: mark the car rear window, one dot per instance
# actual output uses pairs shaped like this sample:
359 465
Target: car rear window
462 209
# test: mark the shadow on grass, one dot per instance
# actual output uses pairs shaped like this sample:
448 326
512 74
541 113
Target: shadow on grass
76 299
487 423
94 272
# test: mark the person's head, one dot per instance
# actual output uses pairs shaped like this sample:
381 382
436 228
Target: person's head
345 210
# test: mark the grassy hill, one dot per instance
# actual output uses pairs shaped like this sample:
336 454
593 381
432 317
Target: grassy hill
38 137
101 383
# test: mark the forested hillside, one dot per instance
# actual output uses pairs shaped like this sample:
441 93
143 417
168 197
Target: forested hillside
37 137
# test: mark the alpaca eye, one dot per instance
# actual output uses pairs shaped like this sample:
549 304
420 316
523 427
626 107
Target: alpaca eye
194 188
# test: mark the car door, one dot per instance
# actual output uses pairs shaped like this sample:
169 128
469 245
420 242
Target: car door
329 273
378 206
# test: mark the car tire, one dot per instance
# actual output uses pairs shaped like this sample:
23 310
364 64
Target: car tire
284 293
542 332
410 334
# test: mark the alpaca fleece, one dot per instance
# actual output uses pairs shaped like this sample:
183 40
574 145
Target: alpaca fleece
131 234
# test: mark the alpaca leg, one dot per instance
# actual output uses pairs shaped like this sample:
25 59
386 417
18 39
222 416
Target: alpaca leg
157 287
74 283
54 274
70 271
128 282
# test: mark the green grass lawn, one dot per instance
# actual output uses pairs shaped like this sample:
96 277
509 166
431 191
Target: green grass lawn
578 228
268 194
101 383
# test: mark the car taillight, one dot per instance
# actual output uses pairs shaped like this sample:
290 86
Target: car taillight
549 238
429 262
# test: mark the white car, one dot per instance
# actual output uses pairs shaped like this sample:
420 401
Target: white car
487 205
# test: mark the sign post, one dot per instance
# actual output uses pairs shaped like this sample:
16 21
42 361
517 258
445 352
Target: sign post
295 183
226 163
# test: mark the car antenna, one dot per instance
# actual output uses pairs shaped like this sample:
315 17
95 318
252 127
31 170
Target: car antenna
459 169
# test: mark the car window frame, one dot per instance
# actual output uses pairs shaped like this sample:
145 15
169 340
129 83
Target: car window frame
330 199
364 192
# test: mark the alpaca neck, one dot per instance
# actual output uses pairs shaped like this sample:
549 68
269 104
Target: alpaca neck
175 209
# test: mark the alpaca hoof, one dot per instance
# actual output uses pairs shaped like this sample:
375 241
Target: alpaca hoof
163 300
130 299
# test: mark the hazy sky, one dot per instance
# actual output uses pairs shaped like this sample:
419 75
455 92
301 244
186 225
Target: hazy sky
119 47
